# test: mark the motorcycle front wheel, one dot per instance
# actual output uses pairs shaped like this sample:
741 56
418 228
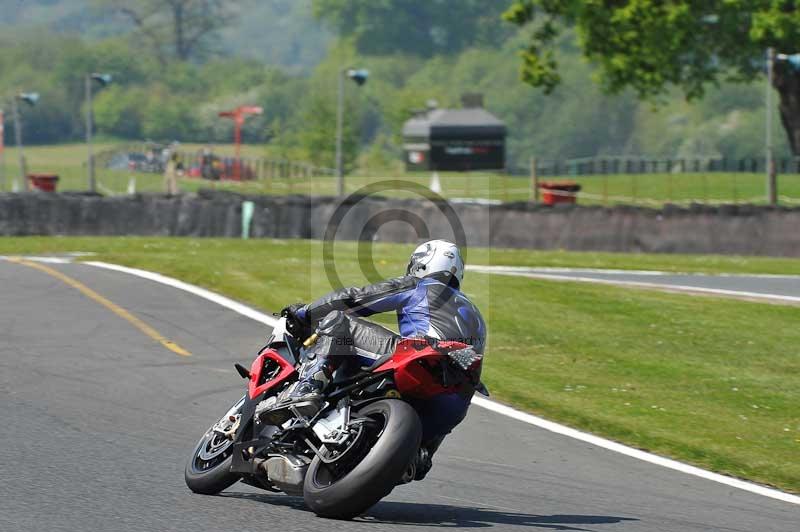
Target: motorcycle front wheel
344 491
208 470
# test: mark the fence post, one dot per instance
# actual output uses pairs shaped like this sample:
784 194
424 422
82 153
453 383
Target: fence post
534 182
669 187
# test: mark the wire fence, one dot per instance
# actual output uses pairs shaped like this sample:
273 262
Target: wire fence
613 165
642 181
653 181
205 164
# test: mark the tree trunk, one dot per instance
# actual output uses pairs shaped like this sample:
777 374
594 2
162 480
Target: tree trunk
786 81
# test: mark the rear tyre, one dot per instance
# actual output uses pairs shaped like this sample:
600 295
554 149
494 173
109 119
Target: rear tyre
394 446
208 470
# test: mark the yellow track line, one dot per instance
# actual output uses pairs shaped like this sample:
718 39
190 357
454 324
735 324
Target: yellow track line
113 307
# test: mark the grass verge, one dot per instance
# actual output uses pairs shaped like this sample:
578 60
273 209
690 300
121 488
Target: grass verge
708 381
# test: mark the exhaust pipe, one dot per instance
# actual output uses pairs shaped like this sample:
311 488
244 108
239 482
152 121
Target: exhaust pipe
286 473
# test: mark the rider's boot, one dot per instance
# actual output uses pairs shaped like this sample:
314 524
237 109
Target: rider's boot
321 361
424 460
305 395
315 375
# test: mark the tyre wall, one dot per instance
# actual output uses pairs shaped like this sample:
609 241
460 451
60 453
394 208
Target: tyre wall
725 229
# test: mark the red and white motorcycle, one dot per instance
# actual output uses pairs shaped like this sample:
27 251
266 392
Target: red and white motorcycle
344 454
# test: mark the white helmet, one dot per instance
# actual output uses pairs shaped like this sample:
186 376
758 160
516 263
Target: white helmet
436 256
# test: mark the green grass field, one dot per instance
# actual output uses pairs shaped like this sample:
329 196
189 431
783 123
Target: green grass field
646 189
709 381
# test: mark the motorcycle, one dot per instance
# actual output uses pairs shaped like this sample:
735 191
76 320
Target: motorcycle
344 453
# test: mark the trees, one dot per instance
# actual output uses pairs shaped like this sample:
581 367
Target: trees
175 29
421 28
318 131
651 45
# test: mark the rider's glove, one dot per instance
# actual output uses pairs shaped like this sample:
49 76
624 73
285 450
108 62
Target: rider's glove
295 312
296 320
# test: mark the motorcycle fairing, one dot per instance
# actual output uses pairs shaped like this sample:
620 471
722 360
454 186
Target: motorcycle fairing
257 386
416 363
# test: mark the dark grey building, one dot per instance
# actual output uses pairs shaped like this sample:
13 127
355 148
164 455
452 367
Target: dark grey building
455 139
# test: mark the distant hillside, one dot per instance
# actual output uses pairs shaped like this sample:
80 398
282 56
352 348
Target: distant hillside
278 32
277 56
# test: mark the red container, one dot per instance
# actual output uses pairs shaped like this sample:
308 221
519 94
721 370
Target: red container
43 182
563 192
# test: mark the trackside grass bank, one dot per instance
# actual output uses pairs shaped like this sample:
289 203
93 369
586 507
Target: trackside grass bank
709 381
652 190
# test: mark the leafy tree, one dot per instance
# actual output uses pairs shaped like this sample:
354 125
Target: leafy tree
318 133
420 28
651 45
179 29
118 111
168 117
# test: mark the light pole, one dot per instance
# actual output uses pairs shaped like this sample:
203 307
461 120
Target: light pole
2 152
772 179
103 80
30 98
359 76
772 193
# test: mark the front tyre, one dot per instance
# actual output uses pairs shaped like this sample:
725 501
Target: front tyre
208 470
394 440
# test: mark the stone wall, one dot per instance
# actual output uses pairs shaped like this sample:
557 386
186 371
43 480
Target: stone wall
726 229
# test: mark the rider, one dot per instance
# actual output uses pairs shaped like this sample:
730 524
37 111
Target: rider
429 306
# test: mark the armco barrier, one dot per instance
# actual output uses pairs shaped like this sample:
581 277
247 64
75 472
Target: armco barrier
725 229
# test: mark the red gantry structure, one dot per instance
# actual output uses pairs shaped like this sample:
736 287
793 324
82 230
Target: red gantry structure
238 116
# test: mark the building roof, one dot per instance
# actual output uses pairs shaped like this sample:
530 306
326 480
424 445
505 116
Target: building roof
443 121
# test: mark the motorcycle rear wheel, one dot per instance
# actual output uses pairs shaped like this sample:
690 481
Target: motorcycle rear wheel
208 470
378 472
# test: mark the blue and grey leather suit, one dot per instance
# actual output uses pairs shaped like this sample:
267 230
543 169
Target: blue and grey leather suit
431 307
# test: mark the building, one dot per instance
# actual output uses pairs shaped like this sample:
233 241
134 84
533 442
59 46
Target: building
459 140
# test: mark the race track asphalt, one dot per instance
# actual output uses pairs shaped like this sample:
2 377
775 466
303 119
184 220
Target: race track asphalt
97 421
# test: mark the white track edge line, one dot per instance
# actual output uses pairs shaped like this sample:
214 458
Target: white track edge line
480 401
223 301
660 286
481 268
